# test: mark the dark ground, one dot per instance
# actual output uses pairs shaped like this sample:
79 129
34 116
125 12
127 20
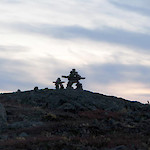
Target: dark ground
72 120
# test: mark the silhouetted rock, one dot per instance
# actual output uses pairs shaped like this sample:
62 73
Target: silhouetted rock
36 89
19 91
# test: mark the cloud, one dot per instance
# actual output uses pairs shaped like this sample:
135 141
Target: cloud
109 35
105 78
94 14
113 73
25 73
12 76
136 4
17 72
10 1
133 6
13 49
127 81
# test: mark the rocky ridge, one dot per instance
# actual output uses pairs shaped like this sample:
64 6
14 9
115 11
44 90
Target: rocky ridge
73 100
72 119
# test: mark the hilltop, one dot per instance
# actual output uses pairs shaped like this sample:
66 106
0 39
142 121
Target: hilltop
72 119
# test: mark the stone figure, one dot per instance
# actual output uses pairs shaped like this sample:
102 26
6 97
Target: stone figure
74 77
59 84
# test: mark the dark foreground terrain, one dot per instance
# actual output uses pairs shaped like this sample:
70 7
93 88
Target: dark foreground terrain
72 120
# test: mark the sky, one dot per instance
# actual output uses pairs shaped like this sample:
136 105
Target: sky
106 41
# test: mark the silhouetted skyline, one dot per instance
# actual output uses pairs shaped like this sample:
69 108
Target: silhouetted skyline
107 41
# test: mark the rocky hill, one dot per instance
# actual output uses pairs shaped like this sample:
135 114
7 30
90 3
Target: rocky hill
72 120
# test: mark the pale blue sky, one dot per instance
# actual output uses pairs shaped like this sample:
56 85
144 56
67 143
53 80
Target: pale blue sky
107 41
